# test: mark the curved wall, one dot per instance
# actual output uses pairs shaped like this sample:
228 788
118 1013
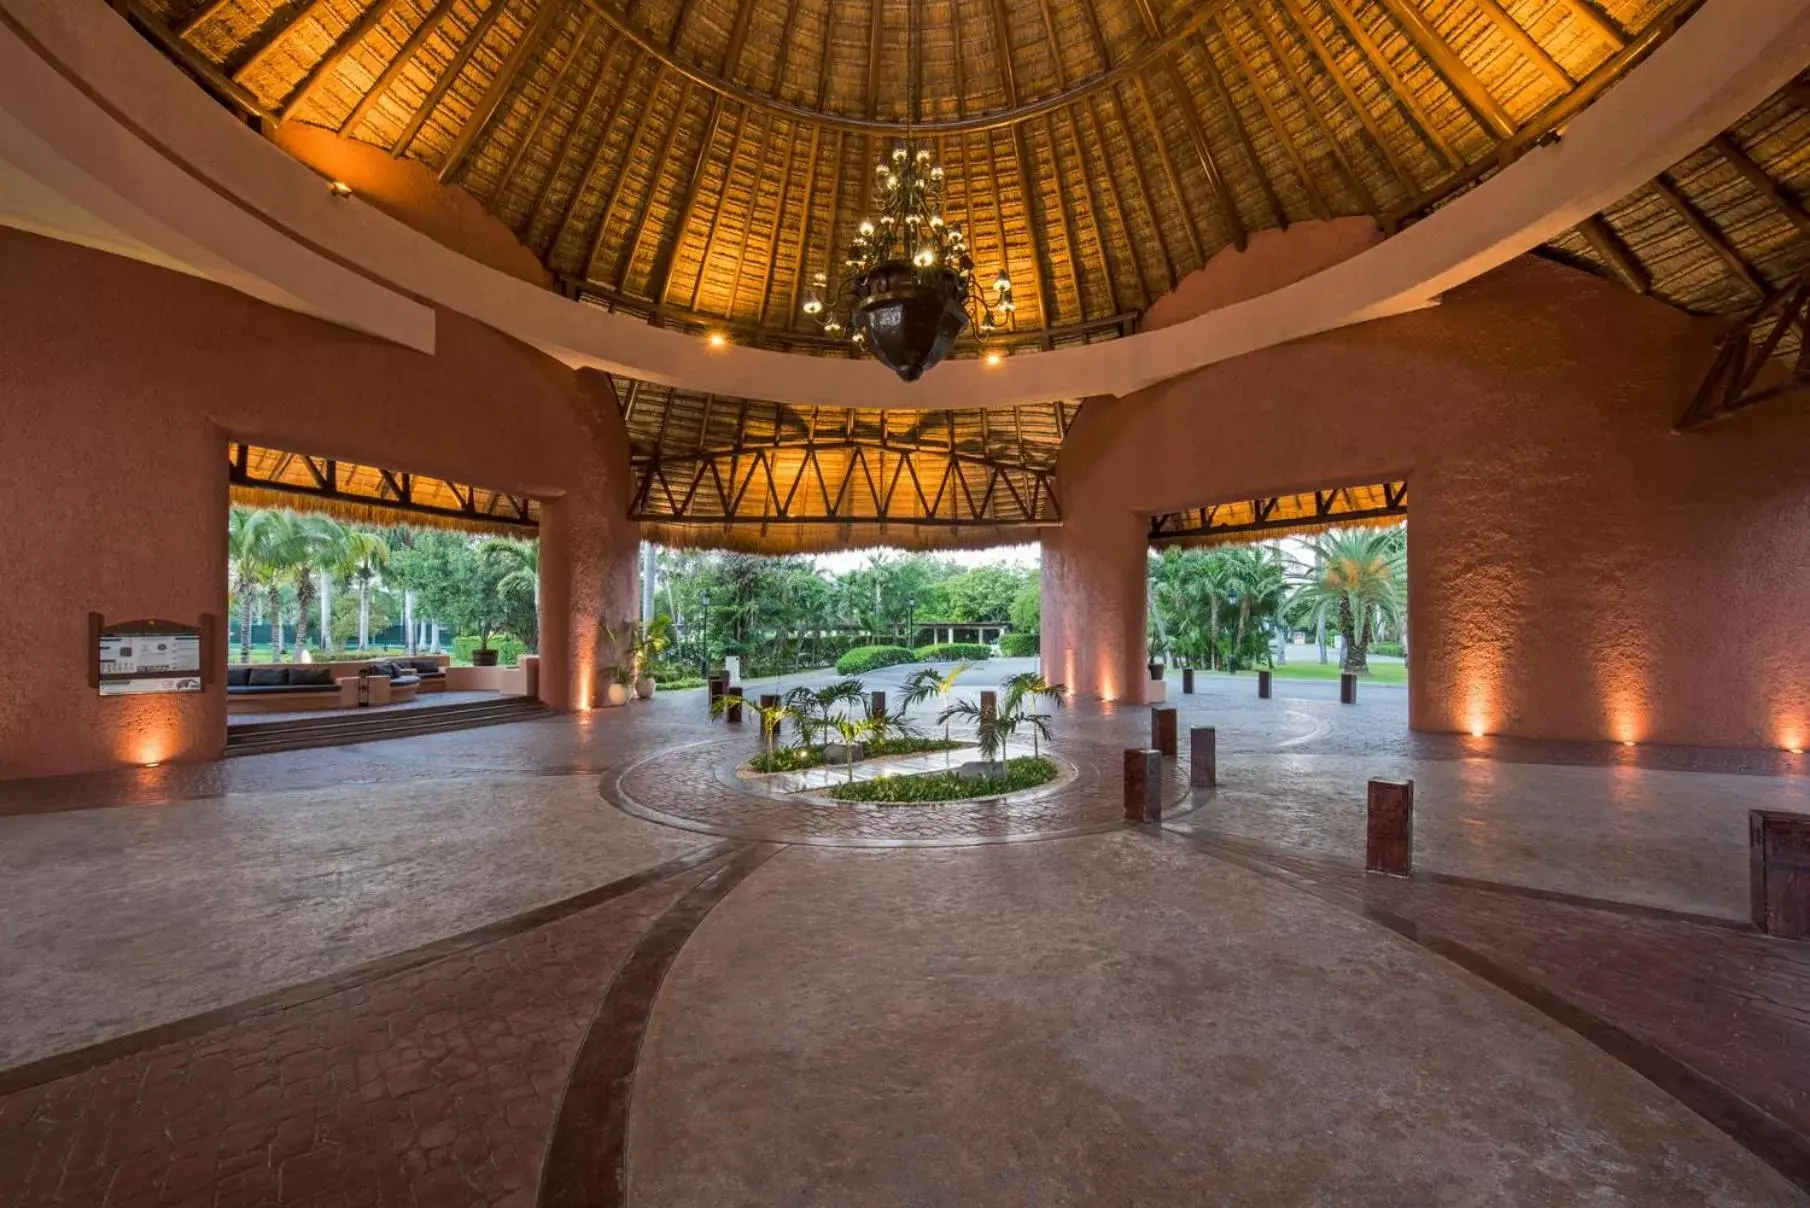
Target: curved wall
1576 570
120 385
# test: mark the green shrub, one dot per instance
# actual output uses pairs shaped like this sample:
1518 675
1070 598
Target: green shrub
954 652
1392 649
787 759
1019 645
508 647
863 659
679 683
946 786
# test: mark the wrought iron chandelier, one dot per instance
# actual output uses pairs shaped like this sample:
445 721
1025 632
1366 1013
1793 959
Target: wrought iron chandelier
909 290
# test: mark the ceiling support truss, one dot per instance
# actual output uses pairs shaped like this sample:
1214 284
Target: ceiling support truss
1756 362
345 483
1280 513
842 481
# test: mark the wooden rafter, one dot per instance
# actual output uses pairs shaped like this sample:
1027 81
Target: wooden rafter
1605 243
1399 90
1748 369
473 39
570 210
1171 177
1329 63
308 12
1455 71
1203 151
1711 237
492 99
1281 513
542 110
398 63
323 69
1753 174
1315 116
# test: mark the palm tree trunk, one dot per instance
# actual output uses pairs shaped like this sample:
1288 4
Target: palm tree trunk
364 615
1320 634
304 596
1355 642
245 623
276 625
326 590
408 620
1212 632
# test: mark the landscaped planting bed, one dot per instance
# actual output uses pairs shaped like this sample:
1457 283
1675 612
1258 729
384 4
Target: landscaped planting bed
797 759
937 787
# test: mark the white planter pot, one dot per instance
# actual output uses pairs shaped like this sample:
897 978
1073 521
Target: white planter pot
615 696
644 687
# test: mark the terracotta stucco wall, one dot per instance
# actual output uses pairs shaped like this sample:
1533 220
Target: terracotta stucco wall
1576 569
120 385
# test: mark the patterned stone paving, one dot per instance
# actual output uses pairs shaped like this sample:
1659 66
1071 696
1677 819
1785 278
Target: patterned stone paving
434 1086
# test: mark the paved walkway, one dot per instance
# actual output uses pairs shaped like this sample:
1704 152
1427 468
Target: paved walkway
573 960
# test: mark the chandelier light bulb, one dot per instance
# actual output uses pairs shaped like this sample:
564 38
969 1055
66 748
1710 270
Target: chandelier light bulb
886 220
923 155
866 228
1003 284
898 154
936 172
936 220
925 258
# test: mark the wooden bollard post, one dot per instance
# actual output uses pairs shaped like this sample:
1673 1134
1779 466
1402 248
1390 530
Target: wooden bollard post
733 709
769 700
1143 784
1203 757
1162 729
989 703
715 686
1389 832
876 706
1779 847
1187 680
1263 685
1348 688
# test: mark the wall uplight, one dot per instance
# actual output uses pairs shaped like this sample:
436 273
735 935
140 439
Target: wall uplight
339 188
1476 731
993 358
718 339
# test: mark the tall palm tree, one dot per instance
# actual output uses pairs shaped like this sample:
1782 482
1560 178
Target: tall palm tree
1357 580
1256 576
248 561
303 544
365 554
816 710
1025 688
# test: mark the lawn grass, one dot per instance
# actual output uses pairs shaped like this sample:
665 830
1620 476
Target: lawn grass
934 787
1380 673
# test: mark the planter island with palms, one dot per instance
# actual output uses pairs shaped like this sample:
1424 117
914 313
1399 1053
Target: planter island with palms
834 727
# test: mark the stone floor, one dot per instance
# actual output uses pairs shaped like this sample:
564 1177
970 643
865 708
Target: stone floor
576 961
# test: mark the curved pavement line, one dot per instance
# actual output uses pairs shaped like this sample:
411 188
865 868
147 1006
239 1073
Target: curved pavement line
1321 728
587 1154
610 788
1753 1128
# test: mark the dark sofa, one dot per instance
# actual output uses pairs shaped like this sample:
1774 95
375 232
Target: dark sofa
402 672
278 681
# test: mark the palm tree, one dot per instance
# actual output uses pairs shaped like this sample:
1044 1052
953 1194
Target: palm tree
1255 574
301 544
1026 687
990 733
815 711
927 684
852 730
365 555
248 563
1356 581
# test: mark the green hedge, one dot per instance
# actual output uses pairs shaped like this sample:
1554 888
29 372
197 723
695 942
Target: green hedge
509 648
1392 649
931 787
1019 645
954 652
863 659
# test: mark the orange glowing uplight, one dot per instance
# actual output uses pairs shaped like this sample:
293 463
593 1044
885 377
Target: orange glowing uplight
718 339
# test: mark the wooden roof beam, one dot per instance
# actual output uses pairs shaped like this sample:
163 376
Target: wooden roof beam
631 248
1585 13
558 159
589 268
1308 183
873 59
1033 222
345 45
804 236
312 10
1170 176
1754 175
1710 236
1457 74
716 213
1315 116
1398 88
1530 49
570 210
479 29
773 239
1203 149
1002 39
1093 214
1621 261
398 62
1141 179
1110 183
1330 64
499 88
542 109
1072 261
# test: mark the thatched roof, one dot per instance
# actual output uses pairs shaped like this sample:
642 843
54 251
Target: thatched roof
702 157
264 477
695 161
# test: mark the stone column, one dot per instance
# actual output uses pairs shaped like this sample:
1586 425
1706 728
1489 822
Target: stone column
1203 757
1389 831
1779 844
1143 785
589 567
1162 729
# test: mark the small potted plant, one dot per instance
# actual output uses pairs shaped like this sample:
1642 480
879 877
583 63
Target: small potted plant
617 675
647 640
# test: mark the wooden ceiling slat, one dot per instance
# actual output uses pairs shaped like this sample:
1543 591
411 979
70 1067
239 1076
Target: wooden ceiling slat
1456 71
348 41
397 64
492 99
467 48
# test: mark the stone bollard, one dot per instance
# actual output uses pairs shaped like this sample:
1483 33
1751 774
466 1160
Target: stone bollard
876 704
1187 681
769 700
1143 785
1203 757
1389 831
989 703
1162 729
717 684
1348 688
733 709
1263 685
1779 851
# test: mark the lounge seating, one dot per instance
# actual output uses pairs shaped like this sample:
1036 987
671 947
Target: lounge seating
280 689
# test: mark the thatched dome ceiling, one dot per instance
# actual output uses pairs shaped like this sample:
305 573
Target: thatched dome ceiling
705 157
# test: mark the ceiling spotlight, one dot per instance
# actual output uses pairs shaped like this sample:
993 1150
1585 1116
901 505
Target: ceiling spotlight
993 358
339 188
718 339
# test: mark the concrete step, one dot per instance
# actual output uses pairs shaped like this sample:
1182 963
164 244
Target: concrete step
266 737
